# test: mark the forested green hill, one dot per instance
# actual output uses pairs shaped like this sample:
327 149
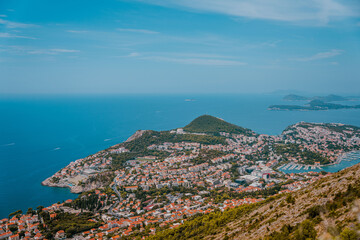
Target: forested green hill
213 125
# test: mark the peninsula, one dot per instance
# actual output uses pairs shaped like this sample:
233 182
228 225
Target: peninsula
197 181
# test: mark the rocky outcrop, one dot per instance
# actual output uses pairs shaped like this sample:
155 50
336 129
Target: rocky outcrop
48 182
136 135
75 188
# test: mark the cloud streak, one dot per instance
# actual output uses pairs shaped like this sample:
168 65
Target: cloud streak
77 31
320 11
321 55
133 30
190 59
53 51
10 24
200 61
64 50
9 35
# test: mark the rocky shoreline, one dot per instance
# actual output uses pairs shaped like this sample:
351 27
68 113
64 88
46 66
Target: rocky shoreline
72 183
74 189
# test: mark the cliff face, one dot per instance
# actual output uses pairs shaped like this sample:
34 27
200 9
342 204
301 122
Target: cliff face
136 135
75 188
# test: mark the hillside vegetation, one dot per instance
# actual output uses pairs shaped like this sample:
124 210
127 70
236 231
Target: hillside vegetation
214 125
327 209
141 143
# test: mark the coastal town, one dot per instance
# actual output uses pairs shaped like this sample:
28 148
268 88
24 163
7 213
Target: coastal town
159 180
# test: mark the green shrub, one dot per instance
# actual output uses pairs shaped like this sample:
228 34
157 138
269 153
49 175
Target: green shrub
348 234
290 199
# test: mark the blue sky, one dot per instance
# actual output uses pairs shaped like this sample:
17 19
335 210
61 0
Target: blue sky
179 46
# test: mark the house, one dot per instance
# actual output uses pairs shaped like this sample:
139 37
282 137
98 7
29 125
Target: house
5 235
14 237
38 236
60 234
131 188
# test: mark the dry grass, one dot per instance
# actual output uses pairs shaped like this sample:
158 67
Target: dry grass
273 215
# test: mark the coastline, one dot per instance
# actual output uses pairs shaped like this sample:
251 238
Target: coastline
79 183
73 189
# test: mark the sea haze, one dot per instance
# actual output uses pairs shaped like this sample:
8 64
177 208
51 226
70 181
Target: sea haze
39 135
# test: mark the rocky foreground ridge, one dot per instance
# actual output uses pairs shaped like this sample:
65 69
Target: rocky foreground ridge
326 209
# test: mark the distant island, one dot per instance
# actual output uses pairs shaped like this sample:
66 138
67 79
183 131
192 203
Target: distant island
316 103
294 97
328 98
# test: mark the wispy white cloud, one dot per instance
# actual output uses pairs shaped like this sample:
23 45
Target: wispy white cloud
77 31
321 55
64 50
200 61
10 24
190 59
9 35
134 54
133 30
52 51
3 15
320 11
26 50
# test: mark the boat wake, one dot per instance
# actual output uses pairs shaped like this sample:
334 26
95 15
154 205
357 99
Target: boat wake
8 144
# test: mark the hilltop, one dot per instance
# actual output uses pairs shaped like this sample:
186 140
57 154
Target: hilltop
214 125
326 209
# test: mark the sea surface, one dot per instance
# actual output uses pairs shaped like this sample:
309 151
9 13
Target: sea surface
41 134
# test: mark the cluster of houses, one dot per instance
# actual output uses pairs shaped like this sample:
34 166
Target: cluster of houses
303 180
154 215
323 139
27 225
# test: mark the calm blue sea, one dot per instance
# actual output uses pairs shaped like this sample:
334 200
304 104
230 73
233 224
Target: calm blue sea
41 134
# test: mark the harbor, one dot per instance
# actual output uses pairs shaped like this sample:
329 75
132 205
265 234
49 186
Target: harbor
296 166
345 160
